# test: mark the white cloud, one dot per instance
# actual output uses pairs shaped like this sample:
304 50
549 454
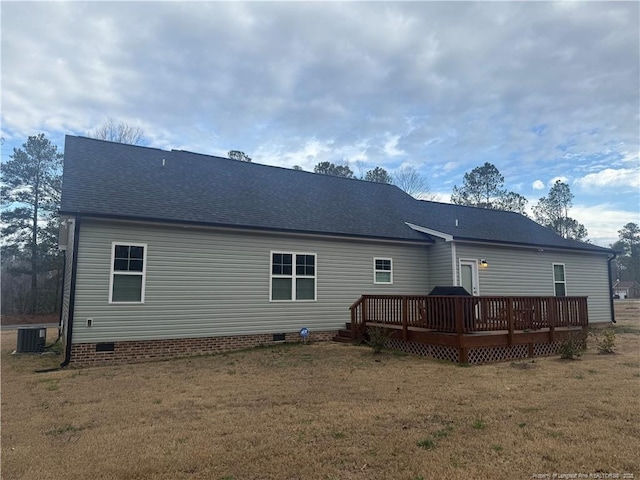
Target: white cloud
603 221
539 89
609 177
553 181
538 185
391 146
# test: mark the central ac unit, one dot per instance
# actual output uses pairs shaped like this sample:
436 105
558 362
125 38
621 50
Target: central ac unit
31 339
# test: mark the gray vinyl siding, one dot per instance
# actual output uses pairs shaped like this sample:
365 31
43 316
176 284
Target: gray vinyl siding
522 271
440 269
206 282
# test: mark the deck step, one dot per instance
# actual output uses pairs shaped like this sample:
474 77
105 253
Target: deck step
341 339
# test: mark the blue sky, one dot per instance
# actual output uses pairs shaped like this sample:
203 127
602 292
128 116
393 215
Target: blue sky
542 90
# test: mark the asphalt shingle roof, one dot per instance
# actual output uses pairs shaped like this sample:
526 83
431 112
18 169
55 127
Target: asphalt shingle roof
125 181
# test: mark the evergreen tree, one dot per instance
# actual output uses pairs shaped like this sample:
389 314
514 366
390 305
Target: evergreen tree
552 211
31 186
238 155
628 248
378 175
328 168
483 187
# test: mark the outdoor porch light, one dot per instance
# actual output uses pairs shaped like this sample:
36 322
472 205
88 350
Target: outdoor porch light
483 263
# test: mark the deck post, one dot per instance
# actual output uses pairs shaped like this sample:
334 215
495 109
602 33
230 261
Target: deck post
510 319
459 321
365 312
354 325
553 319
405 312
464 355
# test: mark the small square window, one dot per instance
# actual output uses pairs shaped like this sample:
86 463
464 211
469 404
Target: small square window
282 264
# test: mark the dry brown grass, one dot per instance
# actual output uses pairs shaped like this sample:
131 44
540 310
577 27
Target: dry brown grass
29 319
325 411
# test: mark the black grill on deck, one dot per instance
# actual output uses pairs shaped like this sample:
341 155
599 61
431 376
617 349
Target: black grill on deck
450 291
456 291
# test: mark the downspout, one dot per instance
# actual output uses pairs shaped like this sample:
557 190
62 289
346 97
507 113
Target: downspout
72 293
64 269
609 260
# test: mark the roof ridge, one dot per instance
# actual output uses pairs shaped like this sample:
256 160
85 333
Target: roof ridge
83 137
280 167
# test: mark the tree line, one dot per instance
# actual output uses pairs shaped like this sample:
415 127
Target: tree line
31 182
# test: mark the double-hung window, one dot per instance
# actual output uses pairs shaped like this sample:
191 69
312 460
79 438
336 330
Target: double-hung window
382 270
293 276
128 272
559 280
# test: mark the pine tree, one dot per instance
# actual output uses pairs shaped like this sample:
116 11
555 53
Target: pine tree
378 175
328 168
628 248
552 211
31 186
238 155
483 187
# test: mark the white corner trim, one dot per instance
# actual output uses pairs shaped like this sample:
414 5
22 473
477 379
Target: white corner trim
428 231
454 268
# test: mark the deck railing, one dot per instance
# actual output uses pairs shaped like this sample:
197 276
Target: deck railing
457 314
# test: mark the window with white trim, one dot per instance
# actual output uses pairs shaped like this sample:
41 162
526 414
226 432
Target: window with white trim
128 272
293 276
383 270
559 280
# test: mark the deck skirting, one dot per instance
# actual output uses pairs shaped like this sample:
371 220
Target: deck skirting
496 347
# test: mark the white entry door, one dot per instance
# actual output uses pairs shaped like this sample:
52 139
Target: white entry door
469 276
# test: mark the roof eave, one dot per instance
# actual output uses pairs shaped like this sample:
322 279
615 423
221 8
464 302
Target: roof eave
130 218
539 246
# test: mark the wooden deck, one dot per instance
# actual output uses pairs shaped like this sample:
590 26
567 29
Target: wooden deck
471 329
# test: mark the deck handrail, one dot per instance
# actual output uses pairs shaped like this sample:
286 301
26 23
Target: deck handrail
461 314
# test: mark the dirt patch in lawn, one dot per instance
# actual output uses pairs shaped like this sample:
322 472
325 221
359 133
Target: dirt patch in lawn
323 411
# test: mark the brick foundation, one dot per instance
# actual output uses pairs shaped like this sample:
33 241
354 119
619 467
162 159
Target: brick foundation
85 354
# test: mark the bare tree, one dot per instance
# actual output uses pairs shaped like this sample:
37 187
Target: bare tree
119 132
362 169
411 182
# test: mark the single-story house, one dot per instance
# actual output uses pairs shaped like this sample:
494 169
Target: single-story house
626 289
173 253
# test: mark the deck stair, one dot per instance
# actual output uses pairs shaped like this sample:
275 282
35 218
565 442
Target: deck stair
344 334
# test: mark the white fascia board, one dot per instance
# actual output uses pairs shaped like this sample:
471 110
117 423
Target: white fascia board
428 231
